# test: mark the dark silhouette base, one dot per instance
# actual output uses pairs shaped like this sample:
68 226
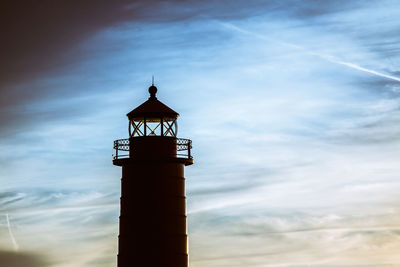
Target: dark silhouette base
153 207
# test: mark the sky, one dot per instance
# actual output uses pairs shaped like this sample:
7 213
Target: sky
292 106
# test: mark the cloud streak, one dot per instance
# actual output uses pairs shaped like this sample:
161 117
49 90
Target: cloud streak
329 58
14 242
357 67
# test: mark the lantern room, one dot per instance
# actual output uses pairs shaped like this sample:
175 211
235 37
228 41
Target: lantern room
153 118
153 132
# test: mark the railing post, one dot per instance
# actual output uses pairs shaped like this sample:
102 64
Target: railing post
189 145
116 149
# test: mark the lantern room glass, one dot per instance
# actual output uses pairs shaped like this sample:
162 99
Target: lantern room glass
153 126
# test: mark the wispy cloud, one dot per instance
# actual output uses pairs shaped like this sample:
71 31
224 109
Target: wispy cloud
14 242
329 58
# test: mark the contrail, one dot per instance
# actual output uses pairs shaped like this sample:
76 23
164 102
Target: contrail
357 67
326 57
16 247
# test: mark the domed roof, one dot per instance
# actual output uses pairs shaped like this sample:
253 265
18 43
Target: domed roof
152 108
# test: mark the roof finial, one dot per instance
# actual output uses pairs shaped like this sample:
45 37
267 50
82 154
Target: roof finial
152 89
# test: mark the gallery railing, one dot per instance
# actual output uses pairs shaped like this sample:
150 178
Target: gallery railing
121 148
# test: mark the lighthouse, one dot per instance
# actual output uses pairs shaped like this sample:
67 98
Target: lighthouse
152 222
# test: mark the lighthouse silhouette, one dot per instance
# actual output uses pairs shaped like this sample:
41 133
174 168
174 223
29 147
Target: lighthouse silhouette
152 229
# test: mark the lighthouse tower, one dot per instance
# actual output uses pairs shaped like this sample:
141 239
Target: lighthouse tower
152 229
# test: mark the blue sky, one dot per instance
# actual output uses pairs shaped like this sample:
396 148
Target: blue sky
292 106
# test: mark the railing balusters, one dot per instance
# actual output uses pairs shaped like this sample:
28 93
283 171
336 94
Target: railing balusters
181 145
